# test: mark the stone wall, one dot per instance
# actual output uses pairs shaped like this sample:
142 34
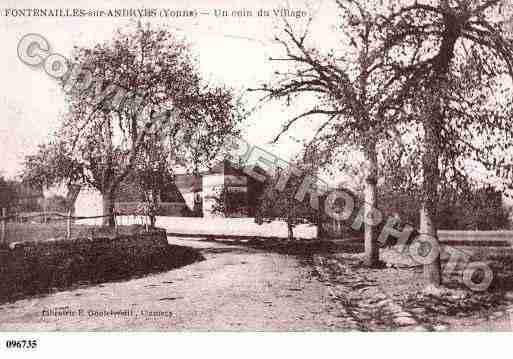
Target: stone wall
31 268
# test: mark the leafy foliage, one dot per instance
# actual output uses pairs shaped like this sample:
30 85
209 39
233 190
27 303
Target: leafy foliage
110 128
277 203
7 194
52 164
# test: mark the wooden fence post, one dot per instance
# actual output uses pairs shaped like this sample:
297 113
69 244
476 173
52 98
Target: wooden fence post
4 236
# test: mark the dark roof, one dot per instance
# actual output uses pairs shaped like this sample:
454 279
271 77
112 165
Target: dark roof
183 183
171 193
129 192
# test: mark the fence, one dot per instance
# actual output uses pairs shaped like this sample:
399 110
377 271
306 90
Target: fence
53 225
22 227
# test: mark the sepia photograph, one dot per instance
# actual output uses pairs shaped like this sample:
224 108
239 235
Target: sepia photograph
318 166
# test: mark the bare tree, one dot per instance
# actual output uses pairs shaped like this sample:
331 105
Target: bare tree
351 86
277 203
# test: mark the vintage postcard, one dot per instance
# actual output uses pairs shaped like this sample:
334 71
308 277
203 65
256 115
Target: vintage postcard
269 166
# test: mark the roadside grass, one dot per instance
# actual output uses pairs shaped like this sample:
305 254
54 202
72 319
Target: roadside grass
454 305
298 247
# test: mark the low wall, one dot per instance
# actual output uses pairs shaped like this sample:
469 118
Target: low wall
31 268
245 227
482 238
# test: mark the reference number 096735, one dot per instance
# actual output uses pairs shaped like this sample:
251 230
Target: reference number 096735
21 344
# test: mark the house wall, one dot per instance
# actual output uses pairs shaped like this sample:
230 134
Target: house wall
89 203
189 200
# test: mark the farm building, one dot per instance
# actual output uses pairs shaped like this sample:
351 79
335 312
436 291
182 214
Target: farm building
186 196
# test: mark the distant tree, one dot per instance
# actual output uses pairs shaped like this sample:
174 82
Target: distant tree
399 189
52 165
482 210
278 203
7 194
463 203
229 202
492 214
56 203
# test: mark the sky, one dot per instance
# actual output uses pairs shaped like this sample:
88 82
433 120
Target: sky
231 50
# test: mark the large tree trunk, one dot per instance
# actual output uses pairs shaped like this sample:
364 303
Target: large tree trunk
371 244
432 270
108 208
432 128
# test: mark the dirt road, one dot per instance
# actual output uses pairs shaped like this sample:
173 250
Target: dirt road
235 288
